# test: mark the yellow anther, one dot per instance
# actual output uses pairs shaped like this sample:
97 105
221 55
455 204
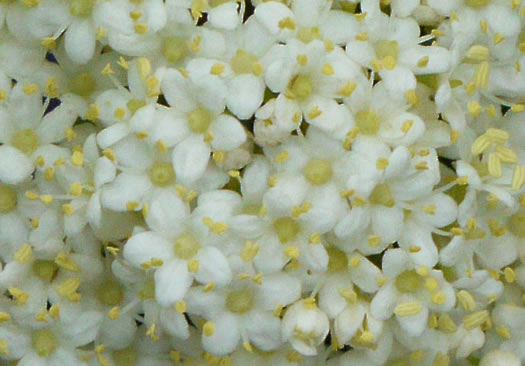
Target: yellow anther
431 284
327 70
430 209
114 313
66 262
4 348
376 65
411 97
208 329
414 249
77 158
278 310
217 69
209 287
441 360
476 319
54 311
354 262
310 303
503 332
422 270
423 61
4 317
389 62
382 163
101 33
437 33
46 198
247 346
328 45
494 165
315 238
505 154
42 317
49 42
347 89
282 157
474 108
292 252
432 322
314 112
454 136
257 69
123 63
498 38
360 16
287 23
76 189
422 165
348 294
347 193
30 89
497 135
107 70
408 308
135 14
141 135
19 295
193 265
151 332
70 134
374 240
407 125
51 88
93 112
518 179
465 300
234 173
144 67
438 298
30 195
68 287
446 324
361 36
417 355
132 205
35 222
258 278
509 274
517 108
141 28
181 307
24 254
477 53
249 251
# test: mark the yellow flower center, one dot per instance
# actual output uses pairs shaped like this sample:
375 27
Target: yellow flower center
175 49
367 121
408 281
240 301
301 86
46 270
382 195
477 4
387 48
82 8
337 260
516 225
110 293
7 199
199 120
26 140
83 84
286 229
186 247
308 34
318 171
44 342
162 174
125 357
242 62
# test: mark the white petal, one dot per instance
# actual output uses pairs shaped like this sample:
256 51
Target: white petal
15 167
144 246
213 267
263 330
172 281
226 336
278 289
125 188
224 16
190 159
228 133
245 95
348 322
167 213
416 324
80 41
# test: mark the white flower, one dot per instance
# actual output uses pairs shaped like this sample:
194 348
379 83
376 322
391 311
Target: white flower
305 326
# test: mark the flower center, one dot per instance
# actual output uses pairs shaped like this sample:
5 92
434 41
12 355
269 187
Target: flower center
308 34
26 140
408 281
110 293
386 48
148 291
7 199
162 174
382 195
286 229
186 247
301 86
82 8
242 62
174 49
199 120
337 260
44 342
46 270
517 225
83 84
318 171
367 121
240 301
477 4
125 357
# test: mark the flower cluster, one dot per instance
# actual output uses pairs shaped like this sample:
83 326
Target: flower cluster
234 182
